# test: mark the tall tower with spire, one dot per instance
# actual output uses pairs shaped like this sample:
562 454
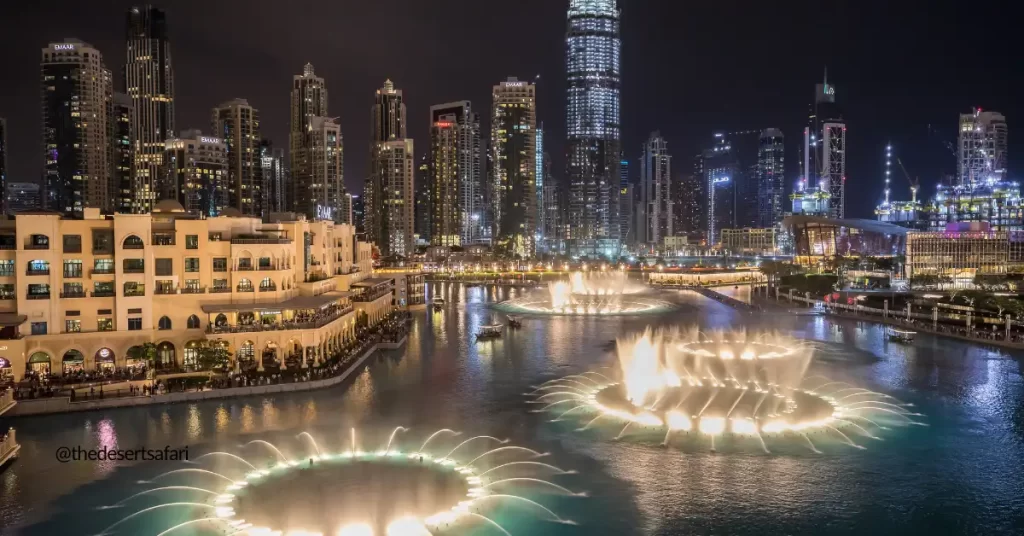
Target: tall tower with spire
827 158
390 190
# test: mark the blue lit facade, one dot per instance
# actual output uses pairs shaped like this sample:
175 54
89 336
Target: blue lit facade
593 48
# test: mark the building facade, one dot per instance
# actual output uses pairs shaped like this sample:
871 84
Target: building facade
654 210
691 204
389 194
593 59
238 124
308 101
275 177
771 168
424 188
982 148
750 241
468 157
962 251
444 172
514 181
320 193
22 196
393 222
87 293
825 154
149 82
76 94
720 169
122 152
196 174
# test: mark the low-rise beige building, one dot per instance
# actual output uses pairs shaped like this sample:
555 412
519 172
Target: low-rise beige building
81 293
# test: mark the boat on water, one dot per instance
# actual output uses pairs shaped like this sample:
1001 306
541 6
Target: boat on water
489 331
438 304
515 322
901 335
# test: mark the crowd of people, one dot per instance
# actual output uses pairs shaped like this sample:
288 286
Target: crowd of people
391 329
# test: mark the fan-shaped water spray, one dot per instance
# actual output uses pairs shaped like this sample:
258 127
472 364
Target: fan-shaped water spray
405 487
596 294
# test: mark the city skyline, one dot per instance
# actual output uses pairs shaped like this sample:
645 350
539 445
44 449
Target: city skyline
747 95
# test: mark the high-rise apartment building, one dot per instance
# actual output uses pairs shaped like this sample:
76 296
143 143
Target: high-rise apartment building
22 196
3 165
770 171
827 147
423 200
196 173
76 94
308 100
319 195
393 225
626 202
470 195
655 207
720 168
275 178
122 152
389 193
513 180
149 81
593 48
445 202
690 204
541 230
982 147
238 124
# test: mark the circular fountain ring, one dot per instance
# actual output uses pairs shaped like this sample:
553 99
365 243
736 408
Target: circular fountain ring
742 350
587 305
335 490
716 408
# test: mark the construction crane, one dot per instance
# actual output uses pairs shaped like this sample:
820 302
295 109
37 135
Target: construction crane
915 184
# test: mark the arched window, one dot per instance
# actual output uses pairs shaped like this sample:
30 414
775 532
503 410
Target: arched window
132 242
39 363
267 285
165 323
165 355
193 322
220 321
246 352
73 361
244 285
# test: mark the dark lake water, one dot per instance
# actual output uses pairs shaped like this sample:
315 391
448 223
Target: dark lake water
961 474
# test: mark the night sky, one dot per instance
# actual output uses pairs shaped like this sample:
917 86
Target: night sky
903 70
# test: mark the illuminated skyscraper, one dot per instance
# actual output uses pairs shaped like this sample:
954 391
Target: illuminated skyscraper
513 180
275 177
982 147
122 151
308 102
655 204
445 209
827 147
593 49
541 230
720 168
319 195
196 173
770 170
467 158
76 92
389 193
238 124
149 81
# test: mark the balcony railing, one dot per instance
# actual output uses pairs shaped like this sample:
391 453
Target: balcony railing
280 326
103 250
134 269
73 249
193 290
8 246
370 296
166 290
261 241
8 296
246 289
245 269
134 246
219 290
37 246
103 294
103 271
37 271
72 294
73 275
134 293
38 296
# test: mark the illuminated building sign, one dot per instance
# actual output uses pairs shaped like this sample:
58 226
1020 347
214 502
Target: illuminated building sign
324 213
720 180
204 139
829 90
515 84
64 46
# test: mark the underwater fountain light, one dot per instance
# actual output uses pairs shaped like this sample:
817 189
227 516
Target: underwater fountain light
720 384
440 485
